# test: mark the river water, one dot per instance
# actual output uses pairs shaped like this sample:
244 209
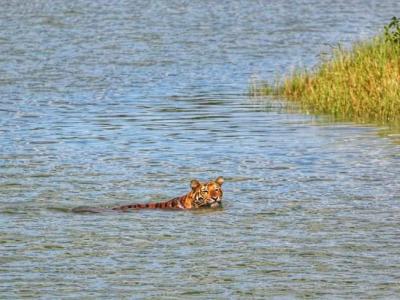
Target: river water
116 102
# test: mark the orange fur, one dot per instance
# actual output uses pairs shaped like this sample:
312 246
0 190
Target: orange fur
202 195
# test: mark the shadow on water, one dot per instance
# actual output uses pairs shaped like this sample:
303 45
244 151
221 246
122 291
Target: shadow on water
96 210
105 210
273 104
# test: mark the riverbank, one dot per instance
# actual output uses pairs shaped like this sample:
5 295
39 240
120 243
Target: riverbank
361 83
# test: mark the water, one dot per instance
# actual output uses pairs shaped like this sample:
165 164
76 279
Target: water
114 102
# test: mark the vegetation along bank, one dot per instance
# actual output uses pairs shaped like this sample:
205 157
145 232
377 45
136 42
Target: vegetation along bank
361 83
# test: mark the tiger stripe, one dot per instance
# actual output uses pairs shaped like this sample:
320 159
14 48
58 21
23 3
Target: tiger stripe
202 195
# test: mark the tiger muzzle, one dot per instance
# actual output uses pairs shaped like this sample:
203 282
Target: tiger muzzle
215 202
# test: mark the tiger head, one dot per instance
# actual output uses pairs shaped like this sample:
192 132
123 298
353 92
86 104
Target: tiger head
207 194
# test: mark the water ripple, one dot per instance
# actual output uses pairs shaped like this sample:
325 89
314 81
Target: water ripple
104 104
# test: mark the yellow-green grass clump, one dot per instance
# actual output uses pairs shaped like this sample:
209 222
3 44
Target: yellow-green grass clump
361 83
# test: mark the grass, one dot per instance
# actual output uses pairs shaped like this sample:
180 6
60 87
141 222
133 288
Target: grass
360 84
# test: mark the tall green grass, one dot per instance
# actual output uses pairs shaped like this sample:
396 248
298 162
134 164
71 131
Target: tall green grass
361 83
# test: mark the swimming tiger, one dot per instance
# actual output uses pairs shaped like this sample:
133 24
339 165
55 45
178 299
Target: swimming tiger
202 195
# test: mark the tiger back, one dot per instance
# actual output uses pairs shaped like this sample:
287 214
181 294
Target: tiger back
202 195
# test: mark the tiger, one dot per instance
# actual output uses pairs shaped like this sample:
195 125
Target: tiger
202 195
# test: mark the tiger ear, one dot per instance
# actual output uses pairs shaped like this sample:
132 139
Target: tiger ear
219 180
194 184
